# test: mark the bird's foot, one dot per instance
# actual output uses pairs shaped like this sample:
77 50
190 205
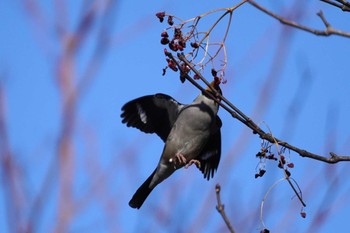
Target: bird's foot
178 160
195 162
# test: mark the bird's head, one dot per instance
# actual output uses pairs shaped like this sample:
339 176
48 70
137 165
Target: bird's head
216 86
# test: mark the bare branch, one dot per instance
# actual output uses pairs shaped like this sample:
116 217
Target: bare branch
344 5
221 209
327 32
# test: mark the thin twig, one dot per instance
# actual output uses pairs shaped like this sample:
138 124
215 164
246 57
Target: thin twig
221 209
344 5
327 32
297 193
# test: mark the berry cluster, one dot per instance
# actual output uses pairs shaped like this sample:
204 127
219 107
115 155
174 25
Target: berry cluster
181 36
265 154
178 41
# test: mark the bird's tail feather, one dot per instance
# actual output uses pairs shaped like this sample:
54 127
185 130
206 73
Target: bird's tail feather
142 193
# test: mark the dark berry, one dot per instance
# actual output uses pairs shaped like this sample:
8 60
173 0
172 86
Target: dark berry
194 45
164 34
170 20
160 16
164 41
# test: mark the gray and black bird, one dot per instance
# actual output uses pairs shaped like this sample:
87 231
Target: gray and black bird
191 134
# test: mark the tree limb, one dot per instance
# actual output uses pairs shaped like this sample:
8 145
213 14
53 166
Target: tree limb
221 209
327 32
343 5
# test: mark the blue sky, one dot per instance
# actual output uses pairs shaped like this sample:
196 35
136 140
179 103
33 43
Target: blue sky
306 103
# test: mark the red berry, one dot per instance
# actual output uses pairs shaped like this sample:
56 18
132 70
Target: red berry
170 20
164 34
283 159
194 45
173 46
164 41
160 16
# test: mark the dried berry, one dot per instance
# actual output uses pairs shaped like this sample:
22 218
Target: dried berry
196 76
160 16
260 174
164 41
164 71
164 34
173 46
260 155
177 33
194 45
283 159
170 20
172 65
272 156
280 164
182 43
303 214
290 165
287 173
166 53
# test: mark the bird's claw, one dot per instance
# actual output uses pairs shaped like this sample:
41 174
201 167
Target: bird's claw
195 162
180 160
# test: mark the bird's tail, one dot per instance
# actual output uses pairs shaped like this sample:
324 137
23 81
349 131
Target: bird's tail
142 193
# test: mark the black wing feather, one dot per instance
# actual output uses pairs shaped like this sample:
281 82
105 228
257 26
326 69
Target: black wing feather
210 156
152 114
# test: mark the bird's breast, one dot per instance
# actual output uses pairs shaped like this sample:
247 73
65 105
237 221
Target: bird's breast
190 132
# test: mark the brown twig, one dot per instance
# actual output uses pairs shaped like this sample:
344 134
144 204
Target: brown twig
327 32
236 113
221 208
287 176
343 5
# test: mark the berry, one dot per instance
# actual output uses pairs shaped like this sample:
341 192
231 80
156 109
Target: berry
170 20
164 34
194 45
164 41
160 16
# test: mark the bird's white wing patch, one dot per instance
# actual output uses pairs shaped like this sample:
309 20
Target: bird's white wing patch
142 114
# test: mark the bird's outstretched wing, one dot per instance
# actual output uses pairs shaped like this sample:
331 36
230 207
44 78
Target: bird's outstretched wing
152 114
210 156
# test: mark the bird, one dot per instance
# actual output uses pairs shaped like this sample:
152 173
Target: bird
191 134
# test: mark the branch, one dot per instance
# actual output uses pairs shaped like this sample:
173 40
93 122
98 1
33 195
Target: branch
221 209
343 5
327 32
236 113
